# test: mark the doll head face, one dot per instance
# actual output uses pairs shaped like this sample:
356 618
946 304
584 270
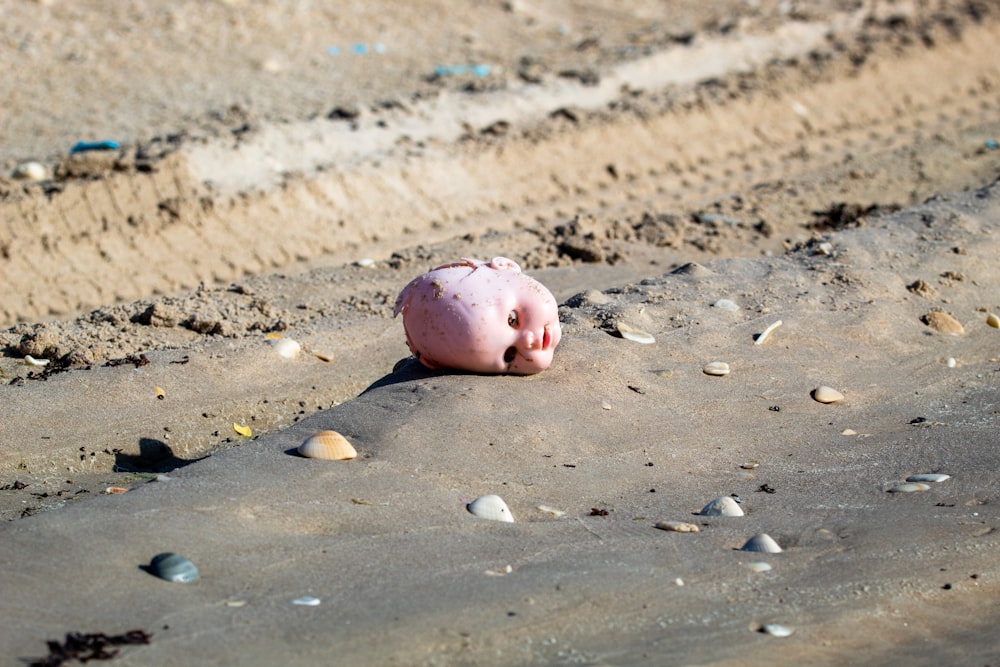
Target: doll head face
485 317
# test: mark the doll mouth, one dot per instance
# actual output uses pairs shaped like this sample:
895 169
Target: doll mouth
546 338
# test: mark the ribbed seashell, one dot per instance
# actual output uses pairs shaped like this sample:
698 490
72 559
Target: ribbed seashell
491 507
933 477
824 394
908 487
328 445
173 567
677 526
763 543
634 335
724 506
718 368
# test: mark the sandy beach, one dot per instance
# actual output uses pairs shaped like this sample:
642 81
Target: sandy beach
783 196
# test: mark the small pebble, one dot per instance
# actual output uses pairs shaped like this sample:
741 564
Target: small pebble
951 362
174 568
993 320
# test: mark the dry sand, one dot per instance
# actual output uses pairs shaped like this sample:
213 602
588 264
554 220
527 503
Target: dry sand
827 164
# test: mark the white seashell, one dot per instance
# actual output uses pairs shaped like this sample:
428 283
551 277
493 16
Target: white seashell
724 506
328 445
286 347
775 630
767 332
824 394
993 320
634 335
951 362
491 507
726 304
933 477
848 431
677 526
551 510
365 262
763 543
30 171
908 487
31 361
718 368
759 566
307 601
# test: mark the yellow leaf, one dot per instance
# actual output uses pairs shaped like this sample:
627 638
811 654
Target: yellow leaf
242 430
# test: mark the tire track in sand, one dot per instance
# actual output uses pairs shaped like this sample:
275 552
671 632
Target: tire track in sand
766 147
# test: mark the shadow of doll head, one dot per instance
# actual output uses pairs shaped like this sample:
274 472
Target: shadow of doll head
485 317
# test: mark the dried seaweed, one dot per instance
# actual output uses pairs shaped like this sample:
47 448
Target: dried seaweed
89 646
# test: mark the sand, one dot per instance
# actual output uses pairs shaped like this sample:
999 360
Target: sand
825 165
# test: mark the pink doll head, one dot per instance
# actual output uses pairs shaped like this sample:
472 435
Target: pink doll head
485 317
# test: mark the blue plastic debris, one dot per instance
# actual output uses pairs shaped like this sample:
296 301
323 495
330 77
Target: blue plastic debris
451 70
992 144
84 146
360 49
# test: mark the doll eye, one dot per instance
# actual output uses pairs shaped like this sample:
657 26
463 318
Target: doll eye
512 319
510 354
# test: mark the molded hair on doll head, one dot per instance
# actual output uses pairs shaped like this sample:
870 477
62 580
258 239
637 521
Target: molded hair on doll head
485 317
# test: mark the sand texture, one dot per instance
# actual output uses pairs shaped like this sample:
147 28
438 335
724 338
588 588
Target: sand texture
698 172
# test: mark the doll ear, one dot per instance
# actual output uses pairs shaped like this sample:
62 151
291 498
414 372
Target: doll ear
504 264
